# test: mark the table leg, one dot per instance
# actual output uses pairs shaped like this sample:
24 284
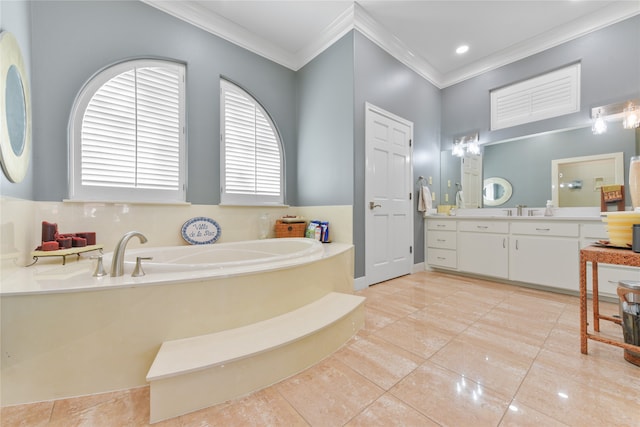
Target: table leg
583 305
595 297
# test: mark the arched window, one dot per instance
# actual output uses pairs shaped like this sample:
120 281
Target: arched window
127 136
251 151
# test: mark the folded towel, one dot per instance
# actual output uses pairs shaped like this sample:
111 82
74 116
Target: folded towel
424 200
459 199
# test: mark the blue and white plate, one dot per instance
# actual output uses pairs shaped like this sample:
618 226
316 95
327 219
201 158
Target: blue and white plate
201 231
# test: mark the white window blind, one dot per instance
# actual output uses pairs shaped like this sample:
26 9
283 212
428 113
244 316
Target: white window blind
549 95
128 138
251 151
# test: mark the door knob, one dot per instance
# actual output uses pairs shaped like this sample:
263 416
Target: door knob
373 206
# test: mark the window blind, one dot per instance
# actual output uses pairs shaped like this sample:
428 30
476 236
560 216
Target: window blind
549 95
252 161
131 131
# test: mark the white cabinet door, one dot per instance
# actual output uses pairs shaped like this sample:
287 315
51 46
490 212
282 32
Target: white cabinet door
483 253
547 261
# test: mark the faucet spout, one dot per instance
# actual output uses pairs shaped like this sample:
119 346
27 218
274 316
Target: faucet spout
117 263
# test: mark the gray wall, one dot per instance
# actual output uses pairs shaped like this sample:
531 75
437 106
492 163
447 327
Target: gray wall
610 61
386 83
325 127
72 40
15 17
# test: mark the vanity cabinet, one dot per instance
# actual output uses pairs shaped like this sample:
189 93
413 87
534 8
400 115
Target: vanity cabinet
483 248
441 244
545 253
537 251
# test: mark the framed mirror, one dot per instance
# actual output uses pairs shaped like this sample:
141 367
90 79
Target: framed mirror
15 114
496 191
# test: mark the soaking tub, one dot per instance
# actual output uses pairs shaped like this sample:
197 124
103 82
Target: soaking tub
67 333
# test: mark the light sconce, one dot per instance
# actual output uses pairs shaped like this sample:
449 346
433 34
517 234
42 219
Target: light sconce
467 143
627 111
631 119
599 124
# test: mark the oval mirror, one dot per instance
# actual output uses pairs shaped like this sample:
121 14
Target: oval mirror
15 117
496 191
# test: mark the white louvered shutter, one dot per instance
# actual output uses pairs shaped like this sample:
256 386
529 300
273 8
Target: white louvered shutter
131 143
252 156
549 95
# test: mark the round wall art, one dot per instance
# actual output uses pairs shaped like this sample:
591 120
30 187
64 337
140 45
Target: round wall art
15 110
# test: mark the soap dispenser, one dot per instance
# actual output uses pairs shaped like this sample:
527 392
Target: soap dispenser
549 209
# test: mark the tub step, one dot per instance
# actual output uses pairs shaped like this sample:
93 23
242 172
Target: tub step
194 373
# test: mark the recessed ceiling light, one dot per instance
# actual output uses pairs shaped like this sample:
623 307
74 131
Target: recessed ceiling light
462 49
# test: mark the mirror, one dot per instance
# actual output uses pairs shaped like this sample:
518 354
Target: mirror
496 191
526 162
577 181
15 136
450 174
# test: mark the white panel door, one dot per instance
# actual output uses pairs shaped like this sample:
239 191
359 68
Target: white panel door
388 219
472 180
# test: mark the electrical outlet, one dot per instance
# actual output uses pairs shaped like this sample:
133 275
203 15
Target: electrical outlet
433 196
448 183
446 197
430 180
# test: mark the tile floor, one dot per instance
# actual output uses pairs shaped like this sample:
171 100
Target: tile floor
436 350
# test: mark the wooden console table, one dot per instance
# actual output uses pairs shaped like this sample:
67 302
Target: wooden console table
595 255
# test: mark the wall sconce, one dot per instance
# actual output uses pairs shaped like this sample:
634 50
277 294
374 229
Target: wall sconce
599 124
631 119
627 111
467 143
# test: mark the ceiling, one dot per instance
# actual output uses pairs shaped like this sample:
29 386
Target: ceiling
422 34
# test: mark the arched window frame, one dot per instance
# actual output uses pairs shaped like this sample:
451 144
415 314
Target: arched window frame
248 197
136 193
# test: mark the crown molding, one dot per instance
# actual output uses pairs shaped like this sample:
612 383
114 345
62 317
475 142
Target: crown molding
203 18
331 34
614 13
375 32
357 18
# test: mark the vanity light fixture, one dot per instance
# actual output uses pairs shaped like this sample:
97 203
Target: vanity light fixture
599 124
631 119
626 111
458 150
467 143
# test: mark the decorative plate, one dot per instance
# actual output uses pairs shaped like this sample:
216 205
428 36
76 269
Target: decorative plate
200 231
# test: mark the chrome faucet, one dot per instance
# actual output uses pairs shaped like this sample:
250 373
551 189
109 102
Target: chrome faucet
117 263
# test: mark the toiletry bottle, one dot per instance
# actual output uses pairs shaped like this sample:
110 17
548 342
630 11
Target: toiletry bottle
549 210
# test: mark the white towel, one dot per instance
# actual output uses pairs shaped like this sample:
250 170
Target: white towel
424 199
459 200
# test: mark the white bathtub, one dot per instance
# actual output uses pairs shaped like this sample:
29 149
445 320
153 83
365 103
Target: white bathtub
244 256
89 335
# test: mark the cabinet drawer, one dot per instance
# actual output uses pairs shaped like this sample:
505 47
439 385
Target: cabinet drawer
443 224
545 229
441 258
594 231
485 226
441 239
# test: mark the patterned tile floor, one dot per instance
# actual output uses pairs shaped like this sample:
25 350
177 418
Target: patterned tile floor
436 350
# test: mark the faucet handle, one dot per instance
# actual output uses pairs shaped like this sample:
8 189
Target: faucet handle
138 271
99 271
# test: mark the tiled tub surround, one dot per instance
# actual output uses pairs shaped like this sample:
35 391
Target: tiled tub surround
21 220
430 341
104 337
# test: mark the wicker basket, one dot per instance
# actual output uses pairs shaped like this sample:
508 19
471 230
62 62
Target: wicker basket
291 229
